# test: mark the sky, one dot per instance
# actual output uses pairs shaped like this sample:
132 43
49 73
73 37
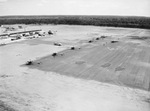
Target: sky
75 7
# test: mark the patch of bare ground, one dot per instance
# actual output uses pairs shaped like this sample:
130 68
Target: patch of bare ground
119 68
105 65
5 76
5 107
148 100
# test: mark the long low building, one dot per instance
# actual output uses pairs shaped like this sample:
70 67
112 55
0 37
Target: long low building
23 32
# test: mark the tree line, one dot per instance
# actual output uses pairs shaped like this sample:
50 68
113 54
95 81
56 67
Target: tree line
113 21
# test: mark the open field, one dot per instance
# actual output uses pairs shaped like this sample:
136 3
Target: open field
122 63
95 76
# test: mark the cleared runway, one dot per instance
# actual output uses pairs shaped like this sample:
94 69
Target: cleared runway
122 63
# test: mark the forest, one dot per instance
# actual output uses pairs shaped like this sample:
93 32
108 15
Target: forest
112 21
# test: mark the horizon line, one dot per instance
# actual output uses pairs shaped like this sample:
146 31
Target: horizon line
80 15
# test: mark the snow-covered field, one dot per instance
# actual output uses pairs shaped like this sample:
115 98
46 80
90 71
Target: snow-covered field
25 89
